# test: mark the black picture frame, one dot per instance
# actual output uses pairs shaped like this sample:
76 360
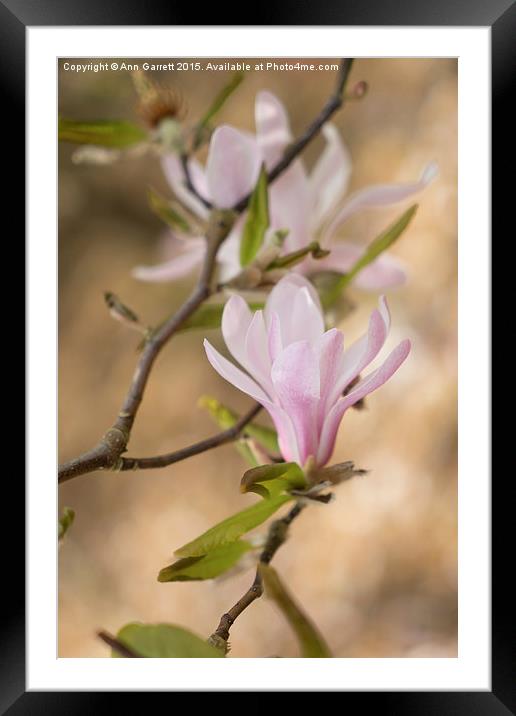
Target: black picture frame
15 17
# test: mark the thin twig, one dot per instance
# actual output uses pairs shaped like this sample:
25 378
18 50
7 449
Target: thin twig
107 453
147 463
117 646
275 538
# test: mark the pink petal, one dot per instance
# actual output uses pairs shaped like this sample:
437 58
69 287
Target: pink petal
175 177
286 434
233 165
274 342
366 386
289 207
272 127
380 195
330 176
329 349
228 257
295 375
234 375
236 319
384 273
182 264
297 305
257 352
363 351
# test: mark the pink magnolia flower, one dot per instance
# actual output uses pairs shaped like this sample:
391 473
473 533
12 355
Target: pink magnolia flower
296 369
309 206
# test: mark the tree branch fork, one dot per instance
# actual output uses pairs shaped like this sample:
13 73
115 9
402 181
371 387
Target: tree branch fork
107 454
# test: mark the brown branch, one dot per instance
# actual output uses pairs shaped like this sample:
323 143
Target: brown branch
276 537
147 463
107 453
117 646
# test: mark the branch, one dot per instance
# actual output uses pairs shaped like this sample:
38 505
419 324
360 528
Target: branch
277 535
107 453
146 463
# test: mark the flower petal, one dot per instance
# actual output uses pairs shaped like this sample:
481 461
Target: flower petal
289 207
296 379
257 352
182 264
173 171
274 342
330 176
329 348
364 350
228 257
286 433
233 165
234 375
272 127
366 386
236 319
380 195
297 305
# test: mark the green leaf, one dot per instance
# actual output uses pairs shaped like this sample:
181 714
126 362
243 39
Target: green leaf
103 133
209 315
257 220
167 212
208 566
375 248
243 447
295 257
310 640
271 480
226 418
65 521
165 641
233 527
217 104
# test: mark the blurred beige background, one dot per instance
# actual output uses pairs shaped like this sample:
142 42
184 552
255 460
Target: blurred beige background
377 568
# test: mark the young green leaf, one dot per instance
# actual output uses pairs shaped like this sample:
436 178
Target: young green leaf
230 529
243 447
165 641
226 418
103 133
272 480
167 212
65 522
310 640
216 105
208 566
257 221
375 248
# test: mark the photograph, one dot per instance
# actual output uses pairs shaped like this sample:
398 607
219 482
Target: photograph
257 357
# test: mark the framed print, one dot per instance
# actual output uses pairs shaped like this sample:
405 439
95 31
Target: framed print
265 390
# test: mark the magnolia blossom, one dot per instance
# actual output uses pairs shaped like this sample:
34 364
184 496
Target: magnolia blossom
310 206
298 371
